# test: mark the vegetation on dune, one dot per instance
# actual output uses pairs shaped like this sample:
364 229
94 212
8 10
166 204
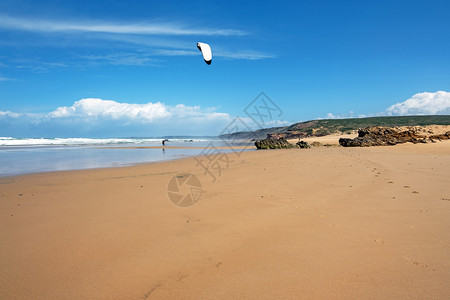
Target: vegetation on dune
329 126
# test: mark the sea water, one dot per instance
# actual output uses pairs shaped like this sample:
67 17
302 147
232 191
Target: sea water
23 156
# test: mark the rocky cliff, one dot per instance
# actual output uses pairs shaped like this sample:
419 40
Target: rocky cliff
316 128
385 136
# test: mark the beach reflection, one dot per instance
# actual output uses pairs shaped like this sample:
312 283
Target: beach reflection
17 160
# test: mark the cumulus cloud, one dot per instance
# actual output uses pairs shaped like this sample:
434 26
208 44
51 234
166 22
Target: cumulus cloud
98 117
437 103
9 114
93 108
333 116
349 115
423 104
145 113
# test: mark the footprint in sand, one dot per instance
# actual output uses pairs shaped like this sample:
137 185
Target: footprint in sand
379 241
147 295
333 226
181 277
416 263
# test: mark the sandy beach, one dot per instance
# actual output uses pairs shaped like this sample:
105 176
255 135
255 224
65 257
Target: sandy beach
319 223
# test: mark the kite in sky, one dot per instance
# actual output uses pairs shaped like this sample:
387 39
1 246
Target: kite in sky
206 51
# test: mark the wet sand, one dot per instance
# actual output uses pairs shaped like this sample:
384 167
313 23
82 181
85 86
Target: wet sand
339 223
182 147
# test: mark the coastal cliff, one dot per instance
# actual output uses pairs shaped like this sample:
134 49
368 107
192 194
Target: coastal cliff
388 136
323 127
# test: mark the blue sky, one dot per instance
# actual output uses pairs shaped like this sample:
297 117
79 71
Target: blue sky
131 68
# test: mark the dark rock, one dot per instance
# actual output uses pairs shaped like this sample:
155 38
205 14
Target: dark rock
273 144
303 145
440 137
383 136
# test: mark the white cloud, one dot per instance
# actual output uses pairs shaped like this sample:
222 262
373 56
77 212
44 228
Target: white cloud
238 54
156 28
158 38
94 108
423 104
243 54
177 52
127 59
331 116
350 114
108 118
276 123
5 79
437 103
9 114
182 111
170 47
152 34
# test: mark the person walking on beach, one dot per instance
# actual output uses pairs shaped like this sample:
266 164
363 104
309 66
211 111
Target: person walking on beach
163 142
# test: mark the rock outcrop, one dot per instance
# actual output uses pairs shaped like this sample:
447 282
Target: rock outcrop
303 145
440 137
273 144
386 136
281 143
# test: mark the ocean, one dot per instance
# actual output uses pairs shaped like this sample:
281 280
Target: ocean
30 155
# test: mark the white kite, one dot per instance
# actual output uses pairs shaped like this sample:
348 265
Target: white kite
206 51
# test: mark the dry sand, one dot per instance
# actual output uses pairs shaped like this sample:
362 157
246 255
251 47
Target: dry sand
339 223
332 139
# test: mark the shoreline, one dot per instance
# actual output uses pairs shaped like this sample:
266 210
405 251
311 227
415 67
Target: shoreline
179 147
322 223
20 161
332 140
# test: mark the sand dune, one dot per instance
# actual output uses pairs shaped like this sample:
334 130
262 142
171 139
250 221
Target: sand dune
339 223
